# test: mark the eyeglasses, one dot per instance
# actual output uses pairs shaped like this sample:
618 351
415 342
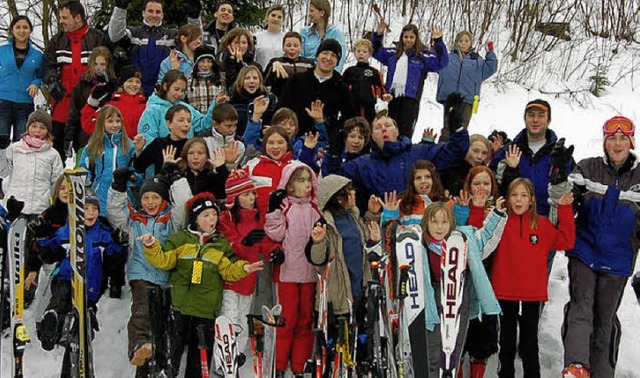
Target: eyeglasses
616 124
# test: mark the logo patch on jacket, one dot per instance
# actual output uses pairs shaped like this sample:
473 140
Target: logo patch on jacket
533 239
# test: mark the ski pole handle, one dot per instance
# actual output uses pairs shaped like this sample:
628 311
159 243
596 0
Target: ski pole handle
402 281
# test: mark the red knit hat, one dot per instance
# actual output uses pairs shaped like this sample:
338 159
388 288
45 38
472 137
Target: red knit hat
238 182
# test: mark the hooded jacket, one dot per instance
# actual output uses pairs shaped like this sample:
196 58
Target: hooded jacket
130 106
465 74
14 81
266 173
291 225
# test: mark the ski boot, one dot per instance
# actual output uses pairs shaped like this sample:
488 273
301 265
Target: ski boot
575 371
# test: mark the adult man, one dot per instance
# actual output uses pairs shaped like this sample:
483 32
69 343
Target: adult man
148 44
323 83
65 61
213 32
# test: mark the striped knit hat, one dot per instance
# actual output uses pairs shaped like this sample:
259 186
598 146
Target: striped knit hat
238 182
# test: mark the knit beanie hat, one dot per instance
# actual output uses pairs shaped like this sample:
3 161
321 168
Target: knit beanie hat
40 116
204 51
127 72
620 123
539 104
199 203
330 45
157 184
238 183
91 198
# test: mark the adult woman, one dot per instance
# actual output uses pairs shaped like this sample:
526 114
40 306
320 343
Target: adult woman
606 244
319 30
269 42
183 57
20 77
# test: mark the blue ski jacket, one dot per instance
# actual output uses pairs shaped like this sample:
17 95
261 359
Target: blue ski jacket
465 75
14 81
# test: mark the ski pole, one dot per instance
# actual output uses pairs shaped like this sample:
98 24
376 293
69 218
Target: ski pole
202 345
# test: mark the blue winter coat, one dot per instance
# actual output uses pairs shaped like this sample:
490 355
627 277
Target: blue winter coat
186 66
419 64
465 75
14 81
310 43
100 170
98 242
153 125
608 225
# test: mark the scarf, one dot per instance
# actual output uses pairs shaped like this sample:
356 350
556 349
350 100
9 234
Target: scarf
29 143
400 76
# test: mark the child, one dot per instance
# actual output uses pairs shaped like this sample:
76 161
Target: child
155 216
409 63
204 83
178 121
519 272
34 154
269 42
356 139
293 212
478 297
453 179
247 88
464 75
280 69
237 45
365 82
188 39
109 148
128 99
240 224
169 93
198 260
223 133
98 244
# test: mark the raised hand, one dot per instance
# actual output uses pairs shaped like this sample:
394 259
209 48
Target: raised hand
168 155
560 158
436 32
219 157
375 204
311 139
513 155
501 204
222 97
382 26
232 152
391 201
316 111
319 232
260 105
139 143
463 199
429 135
566 199
480 197
374 231
175 59
279 70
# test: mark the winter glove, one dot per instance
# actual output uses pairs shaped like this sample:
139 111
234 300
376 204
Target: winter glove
560 158
335 131
121 237
56 89
123 4
276 256
39 227
5 141
14 208
453 106
120 178
172 171
254 236
275 199
68 148
192 8
99 95
490 46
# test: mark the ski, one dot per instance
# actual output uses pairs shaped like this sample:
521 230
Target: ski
258 325
453 263
3 275
80 340
20 335
403 346
225 348
271 317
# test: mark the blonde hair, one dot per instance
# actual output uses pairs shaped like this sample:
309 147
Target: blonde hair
95 147
462 34
430 213
533 210
236 33
323 6
239 83
104 52
363 43
480 138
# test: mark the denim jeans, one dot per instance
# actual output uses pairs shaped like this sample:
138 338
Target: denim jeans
13 116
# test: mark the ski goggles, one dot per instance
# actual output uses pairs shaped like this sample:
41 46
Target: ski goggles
618 123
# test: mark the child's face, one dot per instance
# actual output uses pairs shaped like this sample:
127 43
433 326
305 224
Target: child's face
354 142
520 200
91 213
290 126
240 44
422 182
63 194
481 182
351 200
132 86
100 64
194 44
175 92
292 47
205 64
302 185
439 225
247 200
207 221
363 54
464 43
477 154
408 40
226 128
38 130
251 82
276 146
197 157
113 124
180 125
151 203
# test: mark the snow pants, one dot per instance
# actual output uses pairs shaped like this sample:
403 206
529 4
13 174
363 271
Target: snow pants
295 340
466 118
591 331
404 110
527 319
185 334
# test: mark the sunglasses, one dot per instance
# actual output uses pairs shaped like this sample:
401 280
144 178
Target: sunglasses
616 124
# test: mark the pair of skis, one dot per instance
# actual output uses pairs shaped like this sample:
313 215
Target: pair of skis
162 329
262 333
16 257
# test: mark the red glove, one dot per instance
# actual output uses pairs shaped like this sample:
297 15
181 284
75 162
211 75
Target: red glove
490 46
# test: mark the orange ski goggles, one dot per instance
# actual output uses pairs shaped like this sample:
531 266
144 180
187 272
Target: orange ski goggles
619 123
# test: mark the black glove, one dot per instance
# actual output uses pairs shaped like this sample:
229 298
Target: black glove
121 237
120 178
172 171
14 208
635 283
335 132
5 141
99 94
39 227
93 316
123 4
68 148
453 106
192 8
254 236
560 158
275 199
56 89
276 256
